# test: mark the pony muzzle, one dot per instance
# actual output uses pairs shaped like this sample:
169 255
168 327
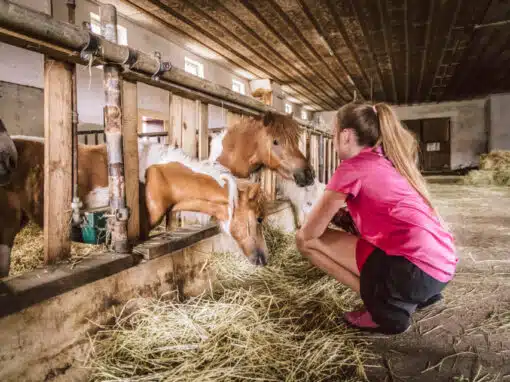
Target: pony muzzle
258 258
304 177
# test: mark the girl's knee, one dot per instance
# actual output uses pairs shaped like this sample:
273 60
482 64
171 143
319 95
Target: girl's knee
301 243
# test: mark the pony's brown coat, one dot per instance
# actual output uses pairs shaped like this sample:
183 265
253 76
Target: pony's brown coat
174 187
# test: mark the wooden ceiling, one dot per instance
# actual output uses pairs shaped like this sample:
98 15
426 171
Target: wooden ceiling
323 52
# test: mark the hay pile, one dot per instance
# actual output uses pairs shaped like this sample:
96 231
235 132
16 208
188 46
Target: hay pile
278 323
28 250
494 170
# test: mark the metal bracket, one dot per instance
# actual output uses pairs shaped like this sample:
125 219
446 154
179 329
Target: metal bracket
91 48
164 66
122 214
131 59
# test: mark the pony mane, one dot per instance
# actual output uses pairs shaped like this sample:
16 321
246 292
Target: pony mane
217 146
281 127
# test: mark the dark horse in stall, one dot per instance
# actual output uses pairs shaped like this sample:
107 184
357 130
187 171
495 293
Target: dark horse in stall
8 155
8 163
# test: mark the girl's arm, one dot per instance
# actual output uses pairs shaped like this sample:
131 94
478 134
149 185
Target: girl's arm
321 215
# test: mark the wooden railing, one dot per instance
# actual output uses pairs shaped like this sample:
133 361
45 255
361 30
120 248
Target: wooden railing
98 136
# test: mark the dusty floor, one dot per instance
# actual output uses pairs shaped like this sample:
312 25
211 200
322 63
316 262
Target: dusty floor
467 336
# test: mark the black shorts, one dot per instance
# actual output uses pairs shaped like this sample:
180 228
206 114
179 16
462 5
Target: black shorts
391 288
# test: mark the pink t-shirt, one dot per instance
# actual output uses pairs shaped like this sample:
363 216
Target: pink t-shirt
392 216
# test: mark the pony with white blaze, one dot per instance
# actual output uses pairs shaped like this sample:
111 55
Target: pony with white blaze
186 184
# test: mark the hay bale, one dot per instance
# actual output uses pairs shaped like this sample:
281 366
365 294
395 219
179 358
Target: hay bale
495 160
281 322
479 178
494 170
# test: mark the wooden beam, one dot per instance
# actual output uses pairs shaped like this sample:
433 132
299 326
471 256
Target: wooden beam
130 141
58 140
387 44
203 130
189 127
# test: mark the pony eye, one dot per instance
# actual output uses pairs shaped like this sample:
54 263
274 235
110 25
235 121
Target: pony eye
260 220
275 142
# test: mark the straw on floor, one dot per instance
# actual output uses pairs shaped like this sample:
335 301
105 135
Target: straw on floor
278 323
28 250
494 170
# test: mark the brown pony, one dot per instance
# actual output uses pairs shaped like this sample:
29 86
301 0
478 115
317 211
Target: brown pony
190 185
271 140
22 200
8 155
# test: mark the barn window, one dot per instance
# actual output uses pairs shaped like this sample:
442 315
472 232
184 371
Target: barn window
238 86
288 108
304 115
193 67
95 26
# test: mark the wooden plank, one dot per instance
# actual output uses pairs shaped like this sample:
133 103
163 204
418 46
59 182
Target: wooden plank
203 130
189 127
130 142
176 120
33 287
58 111
173 241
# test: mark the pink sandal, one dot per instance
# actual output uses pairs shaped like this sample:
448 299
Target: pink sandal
361 319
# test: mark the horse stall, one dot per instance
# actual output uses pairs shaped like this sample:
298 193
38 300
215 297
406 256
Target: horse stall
48 315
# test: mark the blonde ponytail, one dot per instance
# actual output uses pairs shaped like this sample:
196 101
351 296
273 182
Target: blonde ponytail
401 148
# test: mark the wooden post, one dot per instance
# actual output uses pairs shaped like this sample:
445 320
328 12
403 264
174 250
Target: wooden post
130 141
203 130
58 142
176 120
320 158
189 127
113 133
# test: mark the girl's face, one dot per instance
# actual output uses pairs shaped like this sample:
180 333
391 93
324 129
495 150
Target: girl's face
345 142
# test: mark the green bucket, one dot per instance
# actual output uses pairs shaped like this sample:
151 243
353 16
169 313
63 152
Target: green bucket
93 230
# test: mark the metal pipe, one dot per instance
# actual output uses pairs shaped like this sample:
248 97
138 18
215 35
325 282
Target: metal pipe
113 133
76 205
35 24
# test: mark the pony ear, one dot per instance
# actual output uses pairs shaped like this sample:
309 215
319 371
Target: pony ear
253 190
268 118
2 126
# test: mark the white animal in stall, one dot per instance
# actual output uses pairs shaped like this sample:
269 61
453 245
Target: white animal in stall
302 198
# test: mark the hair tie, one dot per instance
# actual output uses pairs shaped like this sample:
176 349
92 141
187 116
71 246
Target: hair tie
374 109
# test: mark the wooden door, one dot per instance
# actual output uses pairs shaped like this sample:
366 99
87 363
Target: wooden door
436 144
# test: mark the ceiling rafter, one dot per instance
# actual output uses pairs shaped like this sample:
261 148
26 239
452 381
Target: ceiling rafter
320 31
261 18
387 46
323 102
426 48
408 49
306 43
464 65
369 45
443 50
276 53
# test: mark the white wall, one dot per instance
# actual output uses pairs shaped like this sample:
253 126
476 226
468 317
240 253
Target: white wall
499 119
